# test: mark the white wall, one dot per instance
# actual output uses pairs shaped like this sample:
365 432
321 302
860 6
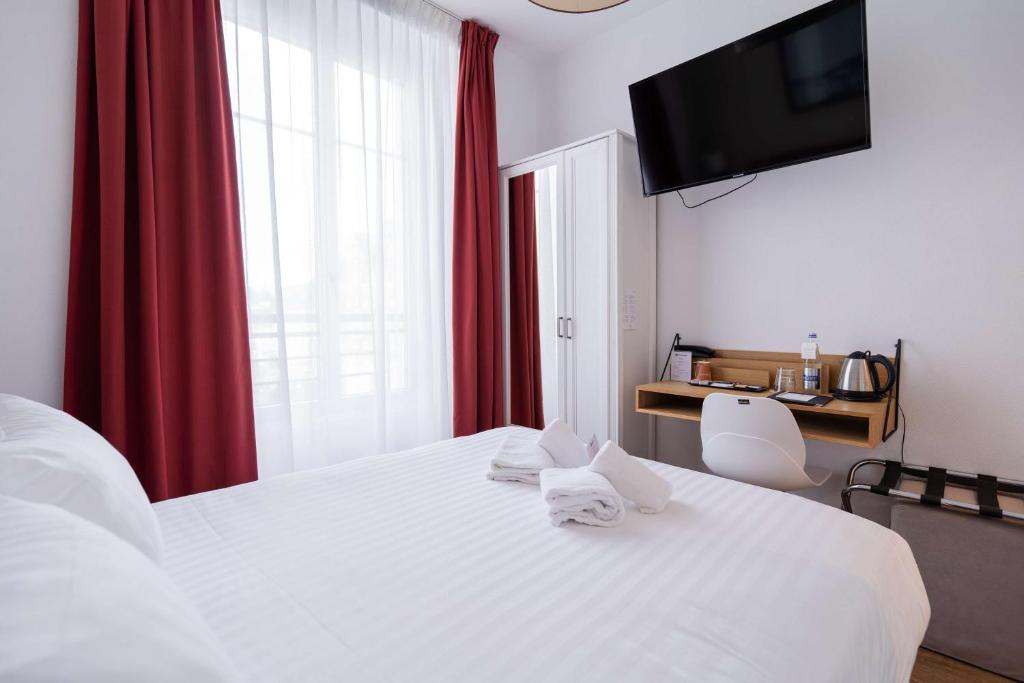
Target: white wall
921 237
37 92
516 99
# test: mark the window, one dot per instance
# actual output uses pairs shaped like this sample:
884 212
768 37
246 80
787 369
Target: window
343 124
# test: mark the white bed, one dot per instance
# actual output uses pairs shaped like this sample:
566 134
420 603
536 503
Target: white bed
414 566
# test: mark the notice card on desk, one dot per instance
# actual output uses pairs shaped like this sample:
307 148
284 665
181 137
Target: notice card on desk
800 398
682 366
804 399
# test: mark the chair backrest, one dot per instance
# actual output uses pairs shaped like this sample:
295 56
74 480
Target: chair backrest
755 440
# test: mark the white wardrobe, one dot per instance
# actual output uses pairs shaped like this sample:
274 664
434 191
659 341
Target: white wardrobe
596 243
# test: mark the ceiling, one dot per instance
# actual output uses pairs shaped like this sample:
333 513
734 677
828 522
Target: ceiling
534 31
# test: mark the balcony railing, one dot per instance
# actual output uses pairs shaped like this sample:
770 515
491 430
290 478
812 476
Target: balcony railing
353 339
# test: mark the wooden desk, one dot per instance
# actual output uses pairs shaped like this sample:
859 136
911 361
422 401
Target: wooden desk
844 422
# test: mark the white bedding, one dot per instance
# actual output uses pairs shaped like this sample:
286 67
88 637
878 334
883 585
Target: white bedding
415 567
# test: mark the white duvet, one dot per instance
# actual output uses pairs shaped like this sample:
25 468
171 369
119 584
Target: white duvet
415 567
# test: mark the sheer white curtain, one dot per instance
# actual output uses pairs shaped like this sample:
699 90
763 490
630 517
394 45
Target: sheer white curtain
344 118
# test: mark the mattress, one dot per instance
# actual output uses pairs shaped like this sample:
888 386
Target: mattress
414 566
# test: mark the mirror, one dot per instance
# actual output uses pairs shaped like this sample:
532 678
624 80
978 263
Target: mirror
533 289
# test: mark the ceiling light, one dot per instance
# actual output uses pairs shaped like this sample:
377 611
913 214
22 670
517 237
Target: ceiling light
577 6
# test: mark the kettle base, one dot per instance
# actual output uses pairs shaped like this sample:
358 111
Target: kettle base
861 396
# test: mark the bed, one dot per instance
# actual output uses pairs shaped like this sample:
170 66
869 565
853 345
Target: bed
414 566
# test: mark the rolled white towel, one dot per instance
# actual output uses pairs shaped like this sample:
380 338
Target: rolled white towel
579 495
564 446
519 458
633 479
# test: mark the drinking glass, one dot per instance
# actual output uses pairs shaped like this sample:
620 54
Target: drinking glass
703 368
785 379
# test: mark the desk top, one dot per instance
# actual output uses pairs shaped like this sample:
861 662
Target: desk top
835 407
851 423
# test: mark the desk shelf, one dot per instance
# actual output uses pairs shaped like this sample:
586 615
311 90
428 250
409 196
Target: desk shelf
848 423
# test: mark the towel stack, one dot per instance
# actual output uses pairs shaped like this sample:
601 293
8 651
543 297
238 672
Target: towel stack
577 484
579 495
519 458
522 458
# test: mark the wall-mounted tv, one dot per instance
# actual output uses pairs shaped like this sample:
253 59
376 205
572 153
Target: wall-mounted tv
794 92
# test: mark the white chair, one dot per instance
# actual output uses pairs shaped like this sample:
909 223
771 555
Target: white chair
757 441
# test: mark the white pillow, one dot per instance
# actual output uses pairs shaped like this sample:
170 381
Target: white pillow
80 604
47 456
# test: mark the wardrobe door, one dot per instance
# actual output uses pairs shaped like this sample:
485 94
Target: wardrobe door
587 202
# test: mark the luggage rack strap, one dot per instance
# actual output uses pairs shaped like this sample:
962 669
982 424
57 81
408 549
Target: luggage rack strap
935 489
890 478
988 496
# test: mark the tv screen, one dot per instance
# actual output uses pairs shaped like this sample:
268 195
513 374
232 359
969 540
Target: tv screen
794 92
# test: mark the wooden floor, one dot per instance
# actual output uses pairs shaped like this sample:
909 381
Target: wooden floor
931 667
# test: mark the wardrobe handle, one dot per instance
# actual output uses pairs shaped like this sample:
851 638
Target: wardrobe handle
568 328
558 327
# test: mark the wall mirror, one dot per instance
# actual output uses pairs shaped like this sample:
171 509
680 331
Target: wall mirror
531 212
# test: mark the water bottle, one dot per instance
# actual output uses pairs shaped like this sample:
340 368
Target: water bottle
812 364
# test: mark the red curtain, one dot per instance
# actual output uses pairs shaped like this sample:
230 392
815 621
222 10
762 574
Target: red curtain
476 267
157 356
525 395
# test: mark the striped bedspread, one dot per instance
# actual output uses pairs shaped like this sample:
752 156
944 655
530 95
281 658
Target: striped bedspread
415 567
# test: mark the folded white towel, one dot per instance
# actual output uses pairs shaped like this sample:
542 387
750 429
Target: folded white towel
633 479
564 446
579 495
519 458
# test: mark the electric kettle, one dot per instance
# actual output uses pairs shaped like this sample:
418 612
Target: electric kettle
858 378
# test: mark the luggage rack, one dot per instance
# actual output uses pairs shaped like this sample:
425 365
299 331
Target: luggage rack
986 487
